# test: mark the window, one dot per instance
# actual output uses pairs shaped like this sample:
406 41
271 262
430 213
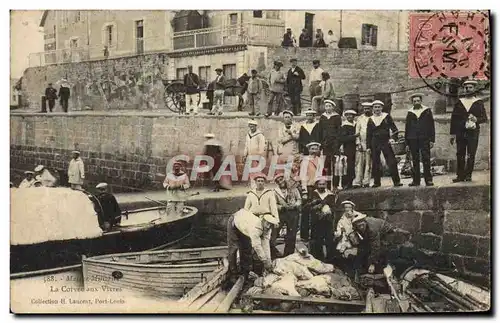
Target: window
229 71
369 35
233 18
181 72
73 43
139 30
109 35
204 73
272 14
257 13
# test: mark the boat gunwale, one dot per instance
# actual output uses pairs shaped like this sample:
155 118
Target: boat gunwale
169 266
193 212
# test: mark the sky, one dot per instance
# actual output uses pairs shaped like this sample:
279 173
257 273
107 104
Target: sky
25 38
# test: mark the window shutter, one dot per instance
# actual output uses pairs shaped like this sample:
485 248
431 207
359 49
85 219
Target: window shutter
364 32
374 36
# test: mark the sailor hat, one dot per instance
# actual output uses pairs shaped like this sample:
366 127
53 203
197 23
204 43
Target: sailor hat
470 82
39 168
367 104
29 172
320 179
278 176
358 217
287 112
253 122
350 112
75 152
415 95
101 185
309 145
348 202
310 112
377 102
259 175
330 102
209 135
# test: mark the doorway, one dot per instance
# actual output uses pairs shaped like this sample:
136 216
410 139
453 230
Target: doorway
139 36
309 24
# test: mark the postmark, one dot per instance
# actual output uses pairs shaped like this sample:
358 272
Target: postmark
448 46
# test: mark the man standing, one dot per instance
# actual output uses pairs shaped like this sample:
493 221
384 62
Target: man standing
213 148
420 136
363 157
176 183
466 117
51 96
253 93
288 202
107 208
327 93
255 145
29 180
315 78
310 131
348 139
329 127
288 39
192 84
294 84
64 94
76 171
277 87
44 176
288 136
305 39
219 88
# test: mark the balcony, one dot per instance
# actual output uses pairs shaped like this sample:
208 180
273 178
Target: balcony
249 34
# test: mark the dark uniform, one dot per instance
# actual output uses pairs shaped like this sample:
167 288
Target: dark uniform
419 133
294 85
107 209
348 141
288 202
467 139
377 139
322 225
330 141
51 97
64 94
306 137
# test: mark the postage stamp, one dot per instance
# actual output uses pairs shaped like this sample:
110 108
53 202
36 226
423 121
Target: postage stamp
449 44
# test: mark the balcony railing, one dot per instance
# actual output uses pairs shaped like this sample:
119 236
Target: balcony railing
248 33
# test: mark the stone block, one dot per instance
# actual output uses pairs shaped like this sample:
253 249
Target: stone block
460 244
471 197
477 265
406 220
475 222
432 222
427 241
484 248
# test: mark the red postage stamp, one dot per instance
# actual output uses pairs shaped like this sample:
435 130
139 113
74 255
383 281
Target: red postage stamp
449 44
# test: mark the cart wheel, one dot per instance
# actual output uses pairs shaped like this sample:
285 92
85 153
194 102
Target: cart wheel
175 97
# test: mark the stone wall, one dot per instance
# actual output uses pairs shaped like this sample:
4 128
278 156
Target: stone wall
132 151
451 224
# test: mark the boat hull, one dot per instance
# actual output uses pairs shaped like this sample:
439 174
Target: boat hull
55 254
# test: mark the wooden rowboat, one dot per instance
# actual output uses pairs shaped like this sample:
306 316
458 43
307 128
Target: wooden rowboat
139 230
183 273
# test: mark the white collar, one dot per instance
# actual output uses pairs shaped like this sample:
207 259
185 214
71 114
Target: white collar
377 120
310 126
330 115
468 102
418 112
345 122
324 194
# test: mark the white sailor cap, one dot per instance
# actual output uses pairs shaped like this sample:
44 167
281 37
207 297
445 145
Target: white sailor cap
348 202
415 95
271 219
377 102
75 152
287 112
309 145
470 82
320 179
39 168
358 217
330 102
259 175
310 112
350 111
253 122
29 172
367 104
101 185
209 135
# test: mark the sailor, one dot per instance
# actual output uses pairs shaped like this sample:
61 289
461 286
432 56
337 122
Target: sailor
344 229
323 222
468 113
363 157
372 248
255 145
309 132
29 180
288 201
288 138
309 171
329 125
378 138
44 176
107 208
348 138
76 171
261 200
420 136
176 183
213 148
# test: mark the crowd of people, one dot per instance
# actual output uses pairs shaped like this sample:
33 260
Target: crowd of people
305 39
